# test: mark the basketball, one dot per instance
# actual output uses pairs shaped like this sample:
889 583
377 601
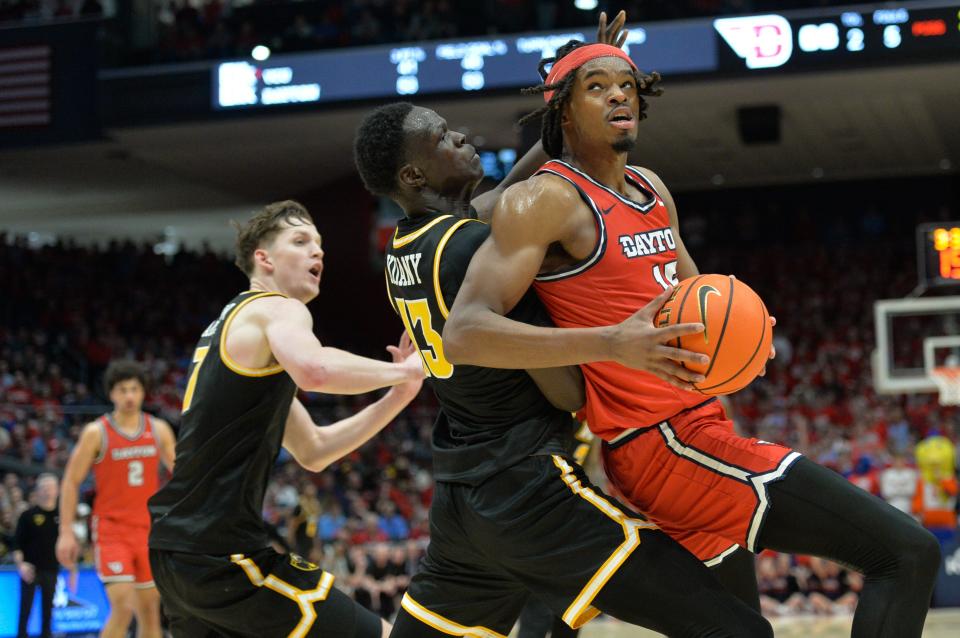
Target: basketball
737 334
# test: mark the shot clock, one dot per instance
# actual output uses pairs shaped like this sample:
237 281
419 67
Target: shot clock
938 249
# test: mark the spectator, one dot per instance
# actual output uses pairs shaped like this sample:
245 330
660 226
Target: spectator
401 569
828 589
865 476
359 580
780 593
91 8
391 522
299 36
370 532
62 9
331 522
304 520
383 581
213 12
334 561
35 555
898 483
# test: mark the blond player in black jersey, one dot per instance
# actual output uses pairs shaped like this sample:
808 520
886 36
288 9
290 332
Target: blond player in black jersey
208 545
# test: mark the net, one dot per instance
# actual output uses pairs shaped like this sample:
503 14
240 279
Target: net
947 379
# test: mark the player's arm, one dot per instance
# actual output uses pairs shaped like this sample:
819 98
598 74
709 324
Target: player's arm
168 442
316 447
78 466
317 368
563 387
686 267
501 271
527 220
26 570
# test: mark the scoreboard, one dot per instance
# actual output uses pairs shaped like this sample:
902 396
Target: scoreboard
938 249
837 38
440 67
844 36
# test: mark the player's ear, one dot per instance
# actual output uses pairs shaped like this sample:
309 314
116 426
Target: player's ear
565 114
262 258
411 176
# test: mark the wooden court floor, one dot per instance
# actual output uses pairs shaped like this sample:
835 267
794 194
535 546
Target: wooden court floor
941 623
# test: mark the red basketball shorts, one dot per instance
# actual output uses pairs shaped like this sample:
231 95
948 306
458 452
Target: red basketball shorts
121 553
697 480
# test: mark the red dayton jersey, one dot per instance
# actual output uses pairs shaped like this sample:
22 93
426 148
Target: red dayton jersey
126 474
634 260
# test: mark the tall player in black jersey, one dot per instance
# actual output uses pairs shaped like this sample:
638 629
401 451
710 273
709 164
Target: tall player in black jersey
209 548
513 514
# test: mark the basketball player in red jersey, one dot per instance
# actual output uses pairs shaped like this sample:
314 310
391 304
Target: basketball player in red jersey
124 448
600 240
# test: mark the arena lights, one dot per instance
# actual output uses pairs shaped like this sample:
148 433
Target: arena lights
260 53
585 5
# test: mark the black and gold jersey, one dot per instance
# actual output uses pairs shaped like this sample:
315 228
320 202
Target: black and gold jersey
489 418
230 436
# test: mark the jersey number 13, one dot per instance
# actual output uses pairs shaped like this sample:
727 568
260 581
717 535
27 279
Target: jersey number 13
416 313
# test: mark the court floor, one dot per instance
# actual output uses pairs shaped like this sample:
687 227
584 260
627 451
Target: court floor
941 623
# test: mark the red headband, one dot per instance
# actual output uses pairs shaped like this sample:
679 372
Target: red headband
580 56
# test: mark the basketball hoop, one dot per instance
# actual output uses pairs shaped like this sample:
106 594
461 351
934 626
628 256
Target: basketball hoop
947 379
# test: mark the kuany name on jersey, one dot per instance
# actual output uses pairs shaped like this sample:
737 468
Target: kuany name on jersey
403 270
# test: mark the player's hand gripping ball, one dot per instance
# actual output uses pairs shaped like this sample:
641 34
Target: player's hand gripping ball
738 334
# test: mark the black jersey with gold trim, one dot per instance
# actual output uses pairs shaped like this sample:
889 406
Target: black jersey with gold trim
489 419
230 436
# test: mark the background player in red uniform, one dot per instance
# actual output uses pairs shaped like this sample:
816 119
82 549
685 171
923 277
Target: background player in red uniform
124 449
600 239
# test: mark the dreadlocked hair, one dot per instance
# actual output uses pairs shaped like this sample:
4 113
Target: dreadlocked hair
551 135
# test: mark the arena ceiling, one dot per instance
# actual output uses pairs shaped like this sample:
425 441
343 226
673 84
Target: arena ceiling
842 125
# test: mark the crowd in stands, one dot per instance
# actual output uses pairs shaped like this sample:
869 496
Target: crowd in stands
69 309
33 11
220 28
182 30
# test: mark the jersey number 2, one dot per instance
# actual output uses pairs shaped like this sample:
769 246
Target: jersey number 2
135 473
417 311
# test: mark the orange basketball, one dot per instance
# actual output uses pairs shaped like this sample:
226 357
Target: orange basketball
738 334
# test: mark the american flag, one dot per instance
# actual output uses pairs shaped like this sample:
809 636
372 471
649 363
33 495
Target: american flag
24 86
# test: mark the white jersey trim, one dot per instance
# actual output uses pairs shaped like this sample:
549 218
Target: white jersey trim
643 208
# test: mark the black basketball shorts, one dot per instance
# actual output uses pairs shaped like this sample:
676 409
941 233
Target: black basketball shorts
259 594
